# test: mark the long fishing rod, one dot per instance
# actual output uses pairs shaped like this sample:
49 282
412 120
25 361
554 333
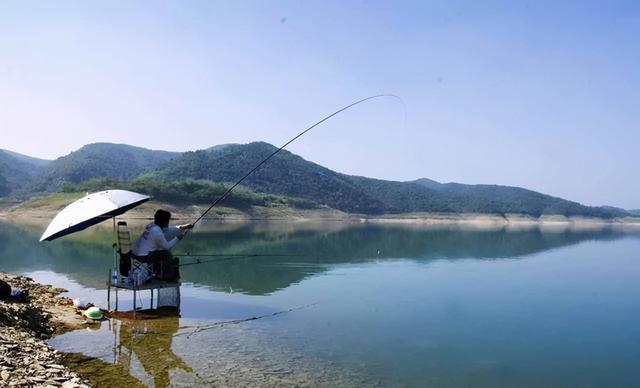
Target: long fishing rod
226 193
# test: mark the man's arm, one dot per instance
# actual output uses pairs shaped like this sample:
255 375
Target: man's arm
161 241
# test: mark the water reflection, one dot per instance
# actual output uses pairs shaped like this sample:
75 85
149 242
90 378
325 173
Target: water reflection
305 251
149 339
399 305
141 352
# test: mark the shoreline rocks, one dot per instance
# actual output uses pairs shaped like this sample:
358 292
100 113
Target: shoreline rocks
26 360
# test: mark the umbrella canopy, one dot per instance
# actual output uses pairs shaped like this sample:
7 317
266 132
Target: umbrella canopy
90 210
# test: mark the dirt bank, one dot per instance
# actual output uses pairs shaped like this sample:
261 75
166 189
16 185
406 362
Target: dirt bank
38 212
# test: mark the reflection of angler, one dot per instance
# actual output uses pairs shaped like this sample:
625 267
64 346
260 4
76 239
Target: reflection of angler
150 341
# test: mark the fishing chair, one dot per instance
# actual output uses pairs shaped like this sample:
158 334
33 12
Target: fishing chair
124 248
128 261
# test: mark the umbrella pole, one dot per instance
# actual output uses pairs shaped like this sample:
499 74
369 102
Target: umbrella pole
115 245
115 260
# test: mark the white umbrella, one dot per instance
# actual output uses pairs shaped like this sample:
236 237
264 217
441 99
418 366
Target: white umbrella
90 210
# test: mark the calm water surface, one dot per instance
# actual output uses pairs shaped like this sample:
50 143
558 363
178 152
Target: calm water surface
385 306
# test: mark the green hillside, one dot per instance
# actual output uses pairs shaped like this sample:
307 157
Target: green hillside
290 175
190 191
17 171
99 160
285 174
287 179
37 162
508 199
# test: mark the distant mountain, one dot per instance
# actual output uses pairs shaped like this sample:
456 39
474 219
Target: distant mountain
17 171
508 199
634 212
290 175
27 159
195 175
100 160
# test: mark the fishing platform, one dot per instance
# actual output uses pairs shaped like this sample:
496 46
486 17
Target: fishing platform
166 292
153 285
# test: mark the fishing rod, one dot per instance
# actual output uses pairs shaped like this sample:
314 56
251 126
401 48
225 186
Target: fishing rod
226 193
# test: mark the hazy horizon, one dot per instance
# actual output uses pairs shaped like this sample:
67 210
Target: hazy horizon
536 95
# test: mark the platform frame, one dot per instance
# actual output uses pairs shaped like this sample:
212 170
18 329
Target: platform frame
150 285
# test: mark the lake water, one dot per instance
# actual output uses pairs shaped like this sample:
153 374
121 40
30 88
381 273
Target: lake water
396 306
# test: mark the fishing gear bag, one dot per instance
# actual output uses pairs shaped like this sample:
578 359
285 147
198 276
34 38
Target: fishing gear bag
169 269
138 275
125 262
162 264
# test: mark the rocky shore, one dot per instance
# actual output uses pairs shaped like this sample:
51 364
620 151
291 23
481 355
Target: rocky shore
26 360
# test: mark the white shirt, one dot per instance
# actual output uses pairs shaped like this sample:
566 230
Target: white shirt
153 239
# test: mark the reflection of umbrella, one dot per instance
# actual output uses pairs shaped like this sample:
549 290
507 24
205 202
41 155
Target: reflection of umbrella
90 210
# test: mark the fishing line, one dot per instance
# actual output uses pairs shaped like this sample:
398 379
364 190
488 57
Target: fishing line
221 258
226 193
197 329
238 255
211 260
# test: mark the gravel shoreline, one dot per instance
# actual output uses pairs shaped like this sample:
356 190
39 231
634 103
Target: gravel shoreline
26 360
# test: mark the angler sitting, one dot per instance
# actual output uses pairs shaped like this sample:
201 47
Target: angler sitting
153 248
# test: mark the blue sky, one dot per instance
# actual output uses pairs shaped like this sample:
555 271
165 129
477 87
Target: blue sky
537 94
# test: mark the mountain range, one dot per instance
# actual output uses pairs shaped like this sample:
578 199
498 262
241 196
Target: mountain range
285 176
